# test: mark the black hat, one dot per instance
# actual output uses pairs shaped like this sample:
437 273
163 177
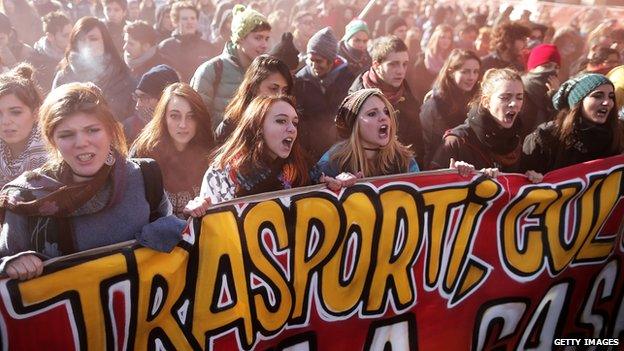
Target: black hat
154 81
286 51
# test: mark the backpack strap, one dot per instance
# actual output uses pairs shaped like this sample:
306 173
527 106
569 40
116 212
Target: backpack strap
153 182
218 68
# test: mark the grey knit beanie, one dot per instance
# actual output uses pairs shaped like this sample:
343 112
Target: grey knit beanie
572 91
324 43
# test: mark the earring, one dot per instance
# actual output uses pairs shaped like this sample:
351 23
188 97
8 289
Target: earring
110 158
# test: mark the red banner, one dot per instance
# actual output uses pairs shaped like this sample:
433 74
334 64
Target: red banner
430 261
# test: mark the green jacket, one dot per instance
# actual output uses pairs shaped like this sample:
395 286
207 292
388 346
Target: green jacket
218 89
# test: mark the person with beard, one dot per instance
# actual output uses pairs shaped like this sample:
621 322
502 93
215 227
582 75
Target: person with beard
540 83
353 46
586 126
320 87
185 50
140 48
367 125
446 106
263 154
115 20
146 96
490 137
92 57
509 40
217 79
387 73
180 139
49 50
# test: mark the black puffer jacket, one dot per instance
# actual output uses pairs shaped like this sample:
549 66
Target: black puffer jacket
437 115
543 152
481 142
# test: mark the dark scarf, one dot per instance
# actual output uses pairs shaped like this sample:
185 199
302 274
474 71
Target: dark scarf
592 139
62 200
370 79
453 105
496 139
358 60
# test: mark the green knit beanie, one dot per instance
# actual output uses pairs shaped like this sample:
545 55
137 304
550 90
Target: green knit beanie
575 89
244 21
354 27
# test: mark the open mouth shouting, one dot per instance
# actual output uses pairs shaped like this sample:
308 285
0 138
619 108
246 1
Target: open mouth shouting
288 142
602 113
509 118
384 131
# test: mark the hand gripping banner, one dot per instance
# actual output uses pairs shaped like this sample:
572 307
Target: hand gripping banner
429 261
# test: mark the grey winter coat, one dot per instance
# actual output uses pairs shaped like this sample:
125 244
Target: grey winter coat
218 89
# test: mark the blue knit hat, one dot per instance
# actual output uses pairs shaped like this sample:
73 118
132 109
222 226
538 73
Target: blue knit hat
572 91
154 81
354 27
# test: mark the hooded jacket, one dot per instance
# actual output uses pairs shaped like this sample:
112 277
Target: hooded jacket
217 89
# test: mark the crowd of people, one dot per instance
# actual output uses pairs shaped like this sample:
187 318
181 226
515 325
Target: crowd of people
119 119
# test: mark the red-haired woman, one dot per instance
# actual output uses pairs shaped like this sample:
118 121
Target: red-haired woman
263 154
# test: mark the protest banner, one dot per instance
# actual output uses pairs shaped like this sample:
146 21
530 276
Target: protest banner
428 261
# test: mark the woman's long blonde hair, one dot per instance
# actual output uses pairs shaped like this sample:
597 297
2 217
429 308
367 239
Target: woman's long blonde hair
392 158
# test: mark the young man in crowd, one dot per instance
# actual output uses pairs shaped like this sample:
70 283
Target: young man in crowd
146 96
320 87
509 40
396 26
540 83
50 49
390 61
140 48
185 50
466 36
218 79
115 20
